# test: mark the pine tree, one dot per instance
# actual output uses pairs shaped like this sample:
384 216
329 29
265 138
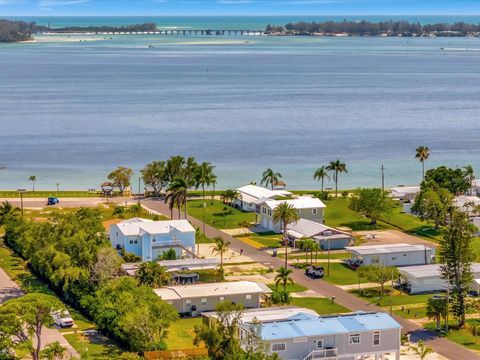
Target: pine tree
456 257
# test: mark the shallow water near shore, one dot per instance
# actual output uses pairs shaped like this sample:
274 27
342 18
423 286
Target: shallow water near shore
71 110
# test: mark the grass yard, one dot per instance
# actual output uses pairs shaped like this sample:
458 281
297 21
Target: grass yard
47 194
416 312
180 333
219 215
340 274
460 336
263 240
322 306
290 287
93 346
397 298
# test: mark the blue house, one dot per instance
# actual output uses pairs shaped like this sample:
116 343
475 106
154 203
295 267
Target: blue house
150 239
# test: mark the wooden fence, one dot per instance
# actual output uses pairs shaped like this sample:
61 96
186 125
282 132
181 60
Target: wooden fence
175 354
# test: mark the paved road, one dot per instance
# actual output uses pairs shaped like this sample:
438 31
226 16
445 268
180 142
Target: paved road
9 290
66 202
442 346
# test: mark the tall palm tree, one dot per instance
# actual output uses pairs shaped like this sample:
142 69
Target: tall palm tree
283 277
470 176
270 178
320 174
33 179
152 274
203 176
177 196
220 247
421 350
285 214
213 183
422 153
336 167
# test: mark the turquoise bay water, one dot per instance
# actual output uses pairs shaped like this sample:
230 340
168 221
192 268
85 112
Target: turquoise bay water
70 111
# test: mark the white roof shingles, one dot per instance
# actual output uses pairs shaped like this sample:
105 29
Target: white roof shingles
302 202
138 226
252 192
211 289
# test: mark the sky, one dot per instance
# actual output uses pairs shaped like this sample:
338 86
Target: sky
237 7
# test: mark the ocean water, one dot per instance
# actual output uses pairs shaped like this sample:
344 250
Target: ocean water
71 111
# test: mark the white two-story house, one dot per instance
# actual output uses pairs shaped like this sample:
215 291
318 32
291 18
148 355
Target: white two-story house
308 207
252 195
150 239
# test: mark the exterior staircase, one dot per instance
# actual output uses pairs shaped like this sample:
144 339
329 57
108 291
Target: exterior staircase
327 354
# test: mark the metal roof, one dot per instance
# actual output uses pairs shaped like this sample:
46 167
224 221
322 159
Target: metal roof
387 249
177 265
211 289
427 271
309 228
272 314
254 192
328 325
139 226
302 202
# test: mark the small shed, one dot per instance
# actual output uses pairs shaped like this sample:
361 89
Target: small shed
391 254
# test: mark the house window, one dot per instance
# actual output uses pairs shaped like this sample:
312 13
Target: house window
279 347
354 339
170 302
376 338
117 233
135 241
314 211
222 298
188 302
319 344
131 241
248 297
204 301
154 240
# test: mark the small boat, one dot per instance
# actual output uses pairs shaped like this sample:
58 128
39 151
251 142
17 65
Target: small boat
150 46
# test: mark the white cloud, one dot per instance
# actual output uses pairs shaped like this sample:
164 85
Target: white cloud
50 3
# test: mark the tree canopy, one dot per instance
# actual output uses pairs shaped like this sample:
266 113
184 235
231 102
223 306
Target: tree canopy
372 203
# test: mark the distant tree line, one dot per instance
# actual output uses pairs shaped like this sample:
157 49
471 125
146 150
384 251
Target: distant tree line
14 31
127 28
368 28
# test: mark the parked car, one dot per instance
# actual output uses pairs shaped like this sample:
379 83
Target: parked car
315 271
62 318
53 201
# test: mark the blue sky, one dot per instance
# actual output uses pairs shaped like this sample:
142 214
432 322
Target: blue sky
238 7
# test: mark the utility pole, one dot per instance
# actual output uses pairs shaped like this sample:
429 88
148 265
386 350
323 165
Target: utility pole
383 178
328 263
139 182
58 186
21 192
204 220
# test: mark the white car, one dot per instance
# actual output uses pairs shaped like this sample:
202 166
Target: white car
315 271
62 318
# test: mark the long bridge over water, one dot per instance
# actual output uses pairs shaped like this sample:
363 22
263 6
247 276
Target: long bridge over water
190 32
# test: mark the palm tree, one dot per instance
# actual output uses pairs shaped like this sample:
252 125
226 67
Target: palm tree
270 178
421 350
229 196
152 274
308 245
470 176
203 176
320 174
285 214
53 351
177 196
422 153
336 167
213 182
135 209
245 225
436 308
283 277
220 247
7 210
33 179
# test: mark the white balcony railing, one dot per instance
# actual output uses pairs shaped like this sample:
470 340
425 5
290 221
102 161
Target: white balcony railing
320 354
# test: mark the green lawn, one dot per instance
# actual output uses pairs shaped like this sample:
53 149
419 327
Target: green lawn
397 298
417 312
290 287
322 306
263 240
47 194
180 333
461 336
219 215
93 346
340 274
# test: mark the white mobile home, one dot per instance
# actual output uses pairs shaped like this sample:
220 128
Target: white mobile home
405 193
349 336
428 278
150 239
391 254
326 237
195 299
308 207
251 196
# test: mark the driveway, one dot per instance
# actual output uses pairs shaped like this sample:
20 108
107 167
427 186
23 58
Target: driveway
9 290
442 346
